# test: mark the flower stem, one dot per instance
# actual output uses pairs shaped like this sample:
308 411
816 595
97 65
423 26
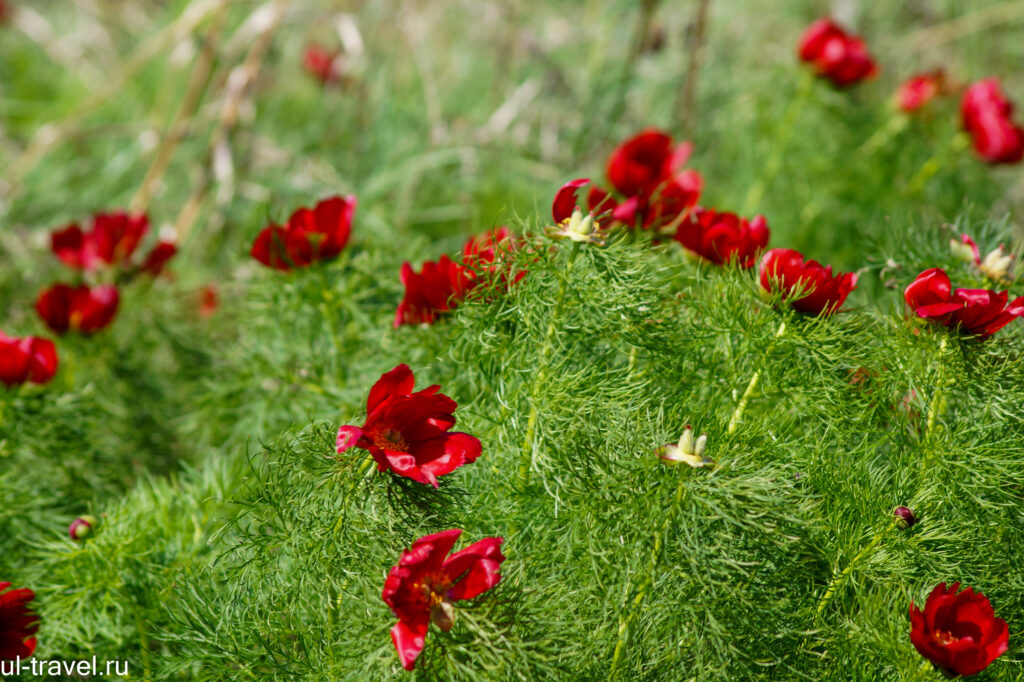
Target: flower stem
734 420
929 168
883 135
785 132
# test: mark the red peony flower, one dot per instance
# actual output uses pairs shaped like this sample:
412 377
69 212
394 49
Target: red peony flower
810 287
426 582
81 309
28 359
321 63
18 624
112 240
408 433
986 114
920 89
979 312
839 56
311 235
721 237
959 633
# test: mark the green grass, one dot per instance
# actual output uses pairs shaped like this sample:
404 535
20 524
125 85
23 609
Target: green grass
206 445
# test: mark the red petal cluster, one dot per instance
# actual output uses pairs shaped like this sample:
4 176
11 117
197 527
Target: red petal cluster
959 633
310 236
810 287
320 63
439 287
426 581
721 237
920 89
112 240
987 115
18 624
82 309
28 359
839 56
979 312
408 433
652 187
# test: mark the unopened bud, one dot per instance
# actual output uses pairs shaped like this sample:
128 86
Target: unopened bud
904 517
964 249
82 528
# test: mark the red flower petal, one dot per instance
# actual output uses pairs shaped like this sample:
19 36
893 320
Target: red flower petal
565 199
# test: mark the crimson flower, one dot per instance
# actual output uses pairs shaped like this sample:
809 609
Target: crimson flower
979 312
920 89
721 237
82 309
18 624
408 433
310 236
809 287
209 300
112 240
839 56
987 115
426 581
28 359
321 63
959 633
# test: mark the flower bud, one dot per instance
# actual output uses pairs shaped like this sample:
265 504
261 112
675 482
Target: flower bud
82 528
964 249
996 264
690 450
904 517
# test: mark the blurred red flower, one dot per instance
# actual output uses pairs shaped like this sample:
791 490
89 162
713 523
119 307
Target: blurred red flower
310 236
809 287
112 240
959 633
209 300
986 114
408 433
28 359
839 56
18 625
920 89
439 287
979 312
322 64
5 12
82 309
426 582
721 237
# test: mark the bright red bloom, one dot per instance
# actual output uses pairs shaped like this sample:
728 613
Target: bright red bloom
979 312
321 63
408 433
720 237
311 235
987 115
839 56
82 309
959 633
810 287
18 625
28 359
426 581
920 89
112 240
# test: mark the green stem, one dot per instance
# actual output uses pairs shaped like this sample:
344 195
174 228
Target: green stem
929 168
363 468
737 414
644 587
883 135
140 626
785 131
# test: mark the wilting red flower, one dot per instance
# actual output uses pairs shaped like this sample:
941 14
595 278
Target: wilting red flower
720 237
28 359
112 240
987 115
839 56
426 582
311 235
18 625
809 287
959 633
918 90
440 287
82 309
408 433
321 63
979 312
